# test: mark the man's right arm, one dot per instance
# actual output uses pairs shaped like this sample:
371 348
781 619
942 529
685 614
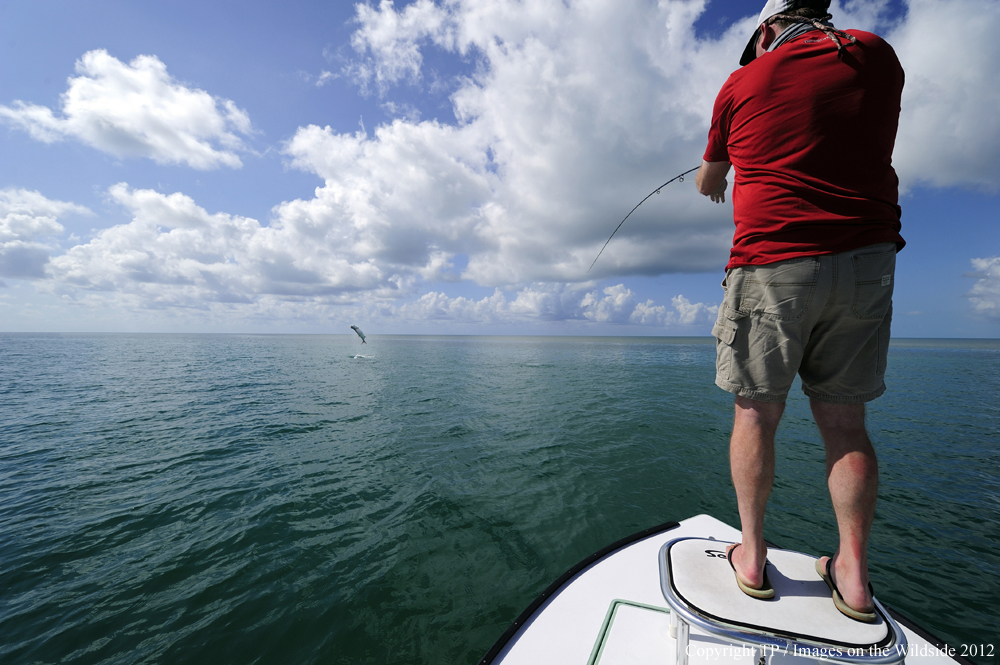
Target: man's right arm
711 180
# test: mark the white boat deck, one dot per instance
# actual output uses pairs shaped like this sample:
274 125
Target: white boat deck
613 613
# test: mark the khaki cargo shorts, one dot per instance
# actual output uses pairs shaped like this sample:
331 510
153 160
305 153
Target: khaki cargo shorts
825 318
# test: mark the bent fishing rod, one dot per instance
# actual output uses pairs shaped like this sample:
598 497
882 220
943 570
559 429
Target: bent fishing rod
655 191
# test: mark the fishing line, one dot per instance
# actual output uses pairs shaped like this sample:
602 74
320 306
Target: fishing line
655 191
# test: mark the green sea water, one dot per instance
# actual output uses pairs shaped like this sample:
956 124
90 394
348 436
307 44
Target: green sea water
308 499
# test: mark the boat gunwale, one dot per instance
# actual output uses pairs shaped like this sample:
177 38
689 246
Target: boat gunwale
566 577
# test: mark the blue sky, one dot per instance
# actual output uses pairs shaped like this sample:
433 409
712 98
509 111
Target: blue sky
436 167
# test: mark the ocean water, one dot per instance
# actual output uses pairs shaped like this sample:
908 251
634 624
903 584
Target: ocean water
307 499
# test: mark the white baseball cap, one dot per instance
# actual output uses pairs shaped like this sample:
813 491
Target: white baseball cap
771 8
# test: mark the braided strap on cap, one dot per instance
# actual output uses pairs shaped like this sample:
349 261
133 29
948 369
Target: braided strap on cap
831 32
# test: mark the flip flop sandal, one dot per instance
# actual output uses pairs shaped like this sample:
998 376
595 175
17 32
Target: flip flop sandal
766 591
838 600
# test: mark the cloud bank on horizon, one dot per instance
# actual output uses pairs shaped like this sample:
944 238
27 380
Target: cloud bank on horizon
571 110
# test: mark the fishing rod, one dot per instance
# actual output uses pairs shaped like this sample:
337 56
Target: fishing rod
655 191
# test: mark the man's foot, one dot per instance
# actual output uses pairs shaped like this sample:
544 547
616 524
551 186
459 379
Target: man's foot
757 586
851 596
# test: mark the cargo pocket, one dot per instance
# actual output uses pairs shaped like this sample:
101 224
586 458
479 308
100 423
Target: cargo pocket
781 291
873 284
725 330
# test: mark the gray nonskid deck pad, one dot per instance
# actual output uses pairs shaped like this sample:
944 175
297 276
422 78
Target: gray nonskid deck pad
802 605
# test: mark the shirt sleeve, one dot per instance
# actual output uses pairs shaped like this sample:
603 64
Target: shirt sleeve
718 133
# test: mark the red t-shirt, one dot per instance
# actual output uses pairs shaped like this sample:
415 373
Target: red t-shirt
810 136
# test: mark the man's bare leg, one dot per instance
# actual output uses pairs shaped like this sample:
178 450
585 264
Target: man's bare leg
852 476
751 460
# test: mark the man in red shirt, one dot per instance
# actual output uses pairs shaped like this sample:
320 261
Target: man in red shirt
809 124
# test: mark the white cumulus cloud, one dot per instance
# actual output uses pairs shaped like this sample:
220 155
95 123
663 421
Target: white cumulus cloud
615 307
558 302
949 128
576 112
28 228
174 253
138 110
389 41
685 313
985 295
